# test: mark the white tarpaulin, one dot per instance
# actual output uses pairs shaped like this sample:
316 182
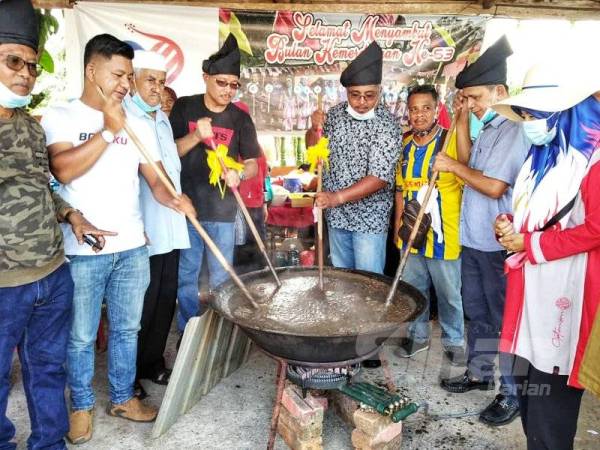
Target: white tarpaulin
185 35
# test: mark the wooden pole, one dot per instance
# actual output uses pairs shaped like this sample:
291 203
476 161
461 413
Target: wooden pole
320 224
281 375
413 233
320 210
251 224
516 9
193 220
201 231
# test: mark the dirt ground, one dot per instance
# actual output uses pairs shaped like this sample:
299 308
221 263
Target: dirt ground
237 412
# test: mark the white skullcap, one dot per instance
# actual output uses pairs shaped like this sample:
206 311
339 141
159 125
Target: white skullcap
149 60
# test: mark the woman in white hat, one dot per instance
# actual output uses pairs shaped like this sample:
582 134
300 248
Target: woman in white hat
553 274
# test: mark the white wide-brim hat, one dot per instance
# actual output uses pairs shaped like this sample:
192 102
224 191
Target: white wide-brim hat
551 88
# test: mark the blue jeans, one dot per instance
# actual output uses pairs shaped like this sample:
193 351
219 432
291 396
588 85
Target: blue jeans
35 318
121 279
354 250
422 272
190 266
483 288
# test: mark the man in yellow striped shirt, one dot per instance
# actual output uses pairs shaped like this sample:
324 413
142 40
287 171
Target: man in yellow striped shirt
437 262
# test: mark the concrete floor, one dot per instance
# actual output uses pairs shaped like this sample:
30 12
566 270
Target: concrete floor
237 412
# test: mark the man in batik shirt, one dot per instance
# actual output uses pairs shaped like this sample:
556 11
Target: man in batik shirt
364 145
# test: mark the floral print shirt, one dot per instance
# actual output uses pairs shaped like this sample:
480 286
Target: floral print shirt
358 148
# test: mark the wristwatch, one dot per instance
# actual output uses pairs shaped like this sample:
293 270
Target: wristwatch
242 175
108 136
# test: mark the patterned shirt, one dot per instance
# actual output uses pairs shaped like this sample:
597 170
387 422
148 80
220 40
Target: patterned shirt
358 148
31 243
413 174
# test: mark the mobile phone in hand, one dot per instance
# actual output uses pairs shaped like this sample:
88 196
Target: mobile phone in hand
92 241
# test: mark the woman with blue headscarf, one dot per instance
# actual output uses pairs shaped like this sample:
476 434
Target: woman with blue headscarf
553 271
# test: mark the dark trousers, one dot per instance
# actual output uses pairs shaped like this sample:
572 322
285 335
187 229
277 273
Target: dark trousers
35 318
157 315
248 257
483 292
549 408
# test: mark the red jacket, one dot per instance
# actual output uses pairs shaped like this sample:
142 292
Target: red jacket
555 245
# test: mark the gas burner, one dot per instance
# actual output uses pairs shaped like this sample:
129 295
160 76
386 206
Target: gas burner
321 378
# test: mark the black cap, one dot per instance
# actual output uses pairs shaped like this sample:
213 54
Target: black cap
488 69
226 61
365 69
19 23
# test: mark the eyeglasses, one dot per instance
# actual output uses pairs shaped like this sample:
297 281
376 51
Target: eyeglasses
16 63
234 85
367 96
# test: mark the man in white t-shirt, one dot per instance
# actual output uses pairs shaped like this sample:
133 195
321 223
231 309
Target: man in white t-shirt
97 164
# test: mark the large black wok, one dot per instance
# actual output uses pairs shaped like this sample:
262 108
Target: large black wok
314 349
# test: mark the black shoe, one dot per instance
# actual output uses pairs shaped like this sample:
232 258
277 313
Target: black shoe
162 377
464 383
502 411
456 355
139 391
371 363
410 348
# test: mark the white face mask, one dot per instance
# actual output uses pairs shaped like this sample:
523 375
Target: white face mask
537 131
10 100
358 116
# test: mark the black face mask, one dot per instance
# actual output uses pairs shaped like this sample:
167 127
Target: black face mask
424 133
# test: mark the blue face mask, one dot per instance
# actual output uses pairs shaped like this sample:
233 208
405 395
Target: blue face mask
10 100
475 126
143 105
537 131
488 116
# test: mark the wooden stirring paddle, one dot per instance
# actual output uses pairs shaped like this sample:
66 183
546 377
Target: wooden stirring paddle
415 228
201 231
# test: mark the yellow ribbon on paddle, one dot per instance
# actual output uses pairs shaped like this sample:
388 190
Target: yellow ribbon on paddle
319 151
216 170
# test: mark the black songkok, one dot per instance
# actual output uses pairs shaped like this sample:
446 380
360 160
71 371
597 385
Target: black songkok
18 23
365 69
488 69
226 61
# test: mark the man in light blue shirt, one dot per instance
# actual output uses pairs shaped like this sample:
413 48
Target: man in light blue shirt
166 230
489 169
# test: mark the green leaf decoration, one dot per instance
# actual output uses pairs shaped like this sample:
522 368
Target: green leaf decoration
48 26
46 61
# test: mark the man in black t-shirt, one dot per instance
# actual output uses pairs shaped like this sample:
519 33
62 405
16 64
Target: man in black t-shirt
198 122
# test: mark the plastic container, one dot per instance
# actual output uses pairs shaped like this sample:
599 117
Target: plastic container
292 184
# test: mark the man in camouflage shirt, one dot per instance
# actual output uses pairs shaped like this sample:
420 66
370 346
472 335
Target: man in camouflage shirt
36 288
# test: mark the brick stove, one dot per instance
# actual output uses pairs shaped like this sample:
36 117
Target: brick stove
306 390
